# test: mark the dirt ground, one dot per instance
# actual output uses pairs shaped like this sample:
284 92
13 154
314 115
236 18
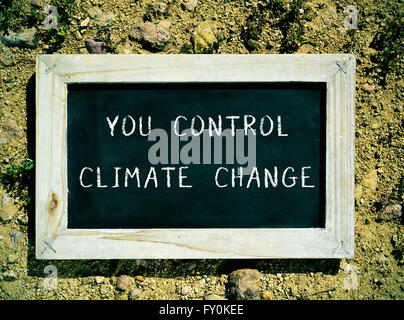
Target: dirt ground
267 26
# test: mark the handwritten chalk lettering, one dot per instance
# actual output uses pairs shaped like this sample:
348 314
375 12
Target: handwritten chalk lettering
93 177
234 177
128 125
266 125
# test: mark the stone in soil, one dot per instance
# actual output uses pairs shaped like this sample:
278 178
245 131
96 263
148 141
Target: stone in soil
368 88
36 3
189 5
85 22
101 19
12 258
123 282
95 47
22 219
135 293
139 278
243 284
7 209
390 212
152 36
26 38
185 290
99 279
9 275
191 266
267 295
9 131
370 180
203 38
6 56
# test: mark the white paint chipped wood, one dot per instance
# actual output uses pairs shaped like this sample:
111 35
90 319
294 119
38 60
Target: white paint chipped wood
55 241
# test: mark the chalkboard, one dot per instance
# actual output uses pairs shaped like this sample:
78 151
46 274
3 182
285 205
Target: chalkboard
109 155
194 156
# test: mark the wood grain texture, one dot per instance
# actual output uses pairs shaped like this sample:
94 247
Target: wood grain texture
55 241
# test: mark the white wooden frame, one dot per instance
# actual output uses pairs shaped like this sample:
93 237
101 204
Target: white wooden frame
55 241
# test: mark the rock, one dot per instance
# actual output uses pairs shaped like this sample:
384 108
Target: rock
6 56
78 35
203 38
185 290
152 36
358 193
267 295
368 88
93 12
6 200
375 125
27 38
189 5
9 275
123 282
101 20
390 212
12 258
7 209
370 180
243 284
85 22
135 293
36 3
191 266
214 297
99 279
6 61
22 219
10 131
139 278
40 3
95 47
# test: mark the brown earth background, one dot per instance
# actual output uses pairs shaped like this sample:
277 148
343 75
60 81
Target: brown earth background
212 27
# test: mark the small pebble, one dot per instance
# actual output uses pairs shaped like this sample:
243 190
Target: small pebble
135 293
85 22
243 284
390 212
139 278
94 46
368 88
99 279
185 290
123 282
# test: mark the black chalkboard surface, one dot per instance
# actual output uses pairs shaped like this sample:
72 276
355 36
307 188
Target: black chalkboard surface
294 111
